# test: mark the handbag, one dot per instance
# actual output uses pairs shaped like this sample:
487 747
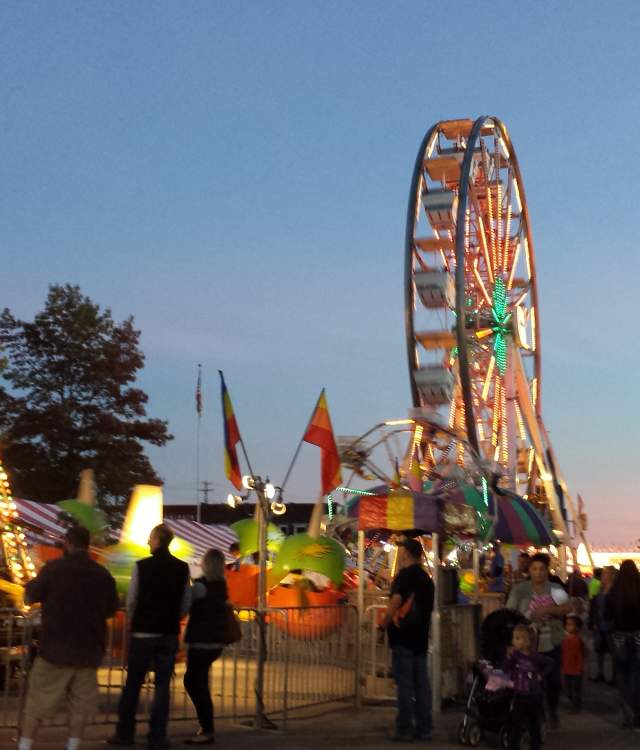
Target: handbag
232 629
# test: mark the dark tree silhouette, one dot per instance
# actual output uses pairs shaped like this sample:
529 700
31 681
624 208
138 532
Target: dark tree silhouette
70 402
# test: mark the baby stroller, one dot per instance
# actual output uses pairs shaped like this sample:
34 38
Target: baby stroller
488 706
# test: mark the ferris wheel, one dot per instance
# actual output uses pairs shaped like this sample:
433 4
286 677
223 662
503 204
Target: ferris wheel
471 311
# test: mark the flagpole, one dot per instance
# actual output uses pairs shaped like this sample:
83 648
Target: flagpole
295 455
198 426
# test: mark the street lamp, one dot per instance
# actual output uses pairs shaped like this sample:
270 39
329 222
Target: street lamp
265 493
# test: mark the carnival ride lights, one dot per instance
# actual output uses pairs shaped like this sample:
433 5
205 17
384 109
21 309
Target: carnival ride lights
20 568
471 313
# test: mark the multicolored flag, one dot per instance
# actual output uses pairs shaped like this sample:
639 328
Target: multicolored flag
231 438
199 392
320 433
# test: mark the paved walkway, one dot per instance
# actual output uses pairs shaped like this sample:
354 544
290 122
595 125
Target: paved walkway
340 727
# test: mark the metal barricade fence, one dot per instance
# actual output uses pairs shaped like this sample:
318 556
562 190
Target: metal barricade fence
312 657
376 674
459 648
15 652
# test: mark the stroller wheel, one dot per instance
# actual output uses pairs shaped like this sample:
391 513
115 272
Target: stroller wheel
473 734
462 732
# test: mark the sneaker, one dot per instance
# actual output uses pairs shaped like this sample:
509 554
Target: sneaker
201 738
119 741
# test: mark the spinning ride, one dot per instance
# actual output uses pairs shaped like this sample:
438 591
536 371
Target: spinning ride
472 316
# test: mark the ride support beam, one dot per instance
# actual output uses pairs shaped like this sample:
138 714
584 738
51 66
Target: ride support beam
532 426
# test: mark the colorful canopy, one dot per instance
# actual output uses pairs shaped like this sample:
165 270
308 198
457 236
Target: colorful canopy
520 523
395 510
517 521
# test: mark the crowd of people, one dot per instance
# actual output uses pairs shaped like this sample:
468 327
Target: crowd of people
549 649
549 646
78 596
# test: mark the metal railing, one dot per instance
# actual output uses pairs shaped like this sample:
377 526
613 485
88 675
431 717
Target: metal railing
311 658
458 649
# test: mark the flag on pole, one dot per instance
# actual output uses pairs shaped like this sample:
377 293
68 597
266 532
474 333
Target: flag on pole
414 479
231 438
320 433
580 505
199 392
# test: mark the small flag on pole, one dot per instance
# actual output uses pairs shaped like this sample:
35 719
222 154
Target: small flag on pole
320 433
199 392
414 478
231 438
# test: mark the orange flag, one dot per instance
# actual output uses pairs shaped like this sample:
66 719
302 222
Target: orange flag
320 433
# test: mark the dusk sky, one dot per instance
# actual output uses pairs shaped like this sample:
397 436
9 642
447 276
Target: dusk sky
235 176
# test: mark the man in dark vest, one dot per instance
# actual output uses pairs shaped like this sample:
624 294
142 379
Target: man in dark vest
158 597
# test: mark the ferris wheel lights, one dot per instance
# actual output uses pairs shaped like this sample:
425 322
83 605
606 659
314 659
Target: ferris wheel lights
397 422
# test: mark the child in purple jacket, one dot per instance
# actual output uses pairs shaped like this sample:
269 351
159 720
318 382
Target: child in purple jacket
527 669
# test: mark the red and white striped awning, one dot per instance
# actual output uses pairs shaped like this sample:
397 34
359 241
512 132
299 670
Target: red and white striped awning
41 525
202 536
41 521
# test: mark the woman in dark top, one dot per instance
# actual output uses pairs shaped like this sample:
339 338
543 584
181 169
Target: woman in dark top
204 639
622 610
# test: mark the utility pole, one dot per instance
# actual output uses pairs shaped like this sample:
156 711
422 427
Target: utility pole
207 487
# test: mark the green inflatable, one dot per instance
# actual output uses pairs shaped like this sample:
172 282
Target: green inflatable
92 518
247 533
303 552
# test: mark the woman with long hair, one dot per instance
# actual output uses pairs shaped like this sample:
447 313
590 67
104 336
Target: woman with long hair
545 604
204 638
622 610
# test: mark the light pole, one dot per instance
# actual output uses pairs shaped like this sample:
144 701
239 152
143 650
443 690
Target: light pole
265 494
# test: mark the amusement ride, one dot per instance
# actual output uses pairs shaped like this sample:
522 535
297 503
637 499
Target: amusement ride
472 324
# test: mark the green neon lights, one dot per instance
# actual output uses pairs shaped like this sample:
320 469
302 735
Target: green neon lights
500 327
485 493
352 491
330 506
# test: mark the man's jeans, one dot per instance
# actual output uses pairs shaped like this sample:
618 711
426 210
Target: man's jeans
159 654
413 691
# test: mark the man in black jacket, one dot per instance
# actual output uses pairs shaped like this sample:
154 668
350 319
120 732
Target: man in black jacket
77 597
158 597
407 621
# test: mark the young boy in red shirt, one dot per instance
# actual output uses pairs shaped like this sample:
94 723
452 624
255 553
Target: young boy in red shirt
573 658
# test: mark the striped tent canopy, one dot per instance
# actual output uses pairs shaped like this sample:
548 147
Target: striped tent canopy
42 526
520 523
394 510
517 522
41 521
202 536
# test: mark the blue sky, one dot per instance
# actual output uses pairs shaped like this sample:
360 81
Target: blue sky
235 175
